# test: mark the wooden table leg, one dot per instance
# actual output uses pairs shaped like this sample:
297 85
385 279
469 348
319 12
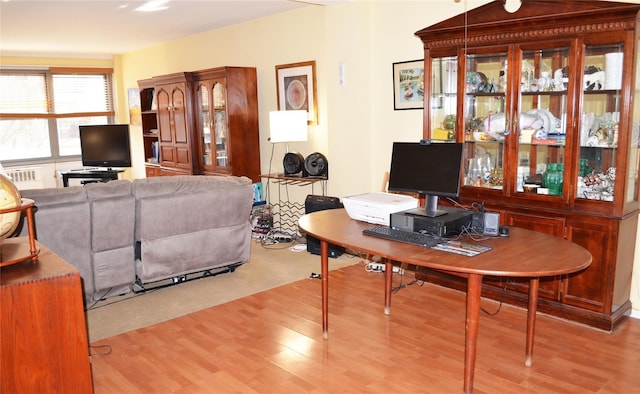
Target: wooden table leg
474 287
324 272
531 319
388 275
33 249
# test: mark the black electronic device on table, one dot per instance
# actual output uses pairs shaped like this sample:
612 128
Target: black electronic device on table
431 169
410 237
454 222
105 145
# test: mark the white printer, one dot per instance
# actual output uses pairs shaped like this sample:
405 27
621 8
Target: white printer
377 207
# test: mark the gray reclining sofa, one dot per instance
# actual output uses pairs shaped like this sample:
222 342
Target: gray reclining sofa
122 234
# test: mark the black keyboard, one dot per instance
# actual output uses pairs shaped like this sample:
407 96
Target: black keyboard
386 232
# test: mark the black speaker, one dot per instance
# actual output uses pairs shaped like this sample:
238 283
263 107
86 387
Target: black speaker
316 166
315 203
491 223
293 164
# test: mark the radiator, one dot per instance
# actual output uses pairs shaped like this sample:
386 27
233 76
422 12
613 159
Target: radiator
26 178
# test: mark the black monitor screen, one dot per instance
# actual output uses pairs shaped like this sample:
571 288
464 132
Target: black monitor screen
432 169
105 145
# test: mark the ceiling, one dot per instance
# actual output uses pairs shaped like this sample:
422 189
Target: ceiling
101 28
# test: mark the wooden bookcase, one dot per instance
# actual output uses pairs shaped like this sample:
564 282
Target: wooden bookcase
206 122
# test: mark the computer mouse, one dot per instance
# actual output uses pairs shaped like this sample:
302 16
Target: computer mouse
503 231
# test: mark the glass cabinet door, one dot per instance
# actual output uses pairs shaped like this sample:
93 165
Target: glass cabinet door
599 122
213 124
220 124
205 123
444 98
485 120
542 121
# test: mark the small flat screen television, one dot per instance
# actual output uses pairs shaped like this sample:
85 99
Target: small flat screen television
105 145
431 169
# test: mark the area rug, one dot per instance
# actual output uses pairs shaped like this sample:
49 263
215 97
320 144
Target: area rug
269 266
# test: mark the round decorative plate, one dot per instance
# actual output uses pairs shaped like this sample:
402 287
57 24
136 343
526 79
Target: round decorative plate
296 94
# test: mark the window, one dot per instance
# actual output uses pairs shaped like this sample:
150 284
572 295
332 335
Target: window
40 111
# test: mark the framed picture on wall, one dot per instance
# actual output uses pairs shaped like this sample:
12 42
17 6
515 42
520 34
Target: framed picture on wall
296 88
408 85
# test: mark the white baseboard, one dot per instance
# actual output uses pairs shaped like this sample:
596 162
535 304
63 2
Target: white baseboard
635 313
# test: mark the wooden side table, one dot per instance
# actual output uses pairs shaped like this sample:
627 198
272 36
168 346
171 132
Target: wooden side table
43 346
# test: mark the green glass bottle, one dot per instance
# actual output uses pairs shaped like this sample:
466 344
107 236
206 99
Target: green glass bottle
553 177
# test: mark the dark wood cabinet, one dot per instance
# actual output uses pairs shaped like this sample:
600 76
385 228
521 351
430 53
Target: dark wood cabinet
543 99
175 122
207 123
44 336
227 121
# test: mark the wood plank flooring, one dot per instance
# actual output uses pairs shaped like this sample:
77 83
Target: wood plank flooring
271 342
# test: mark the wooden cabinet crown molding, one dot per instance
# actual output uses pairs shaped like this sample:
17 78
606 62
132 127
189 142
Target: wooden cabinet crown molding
546 20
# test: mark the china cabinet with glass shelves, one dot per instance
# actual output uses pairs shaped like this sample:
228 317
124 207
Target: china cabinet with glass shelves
543 99
227 121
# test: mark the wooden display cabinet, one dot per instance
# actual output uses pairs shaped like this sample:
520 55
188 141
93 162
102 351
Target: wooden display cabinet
202 123
226 117
546 113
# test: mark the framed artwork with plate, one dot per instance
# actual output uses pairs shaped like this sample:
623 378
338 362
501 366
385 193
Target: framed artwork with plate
296 88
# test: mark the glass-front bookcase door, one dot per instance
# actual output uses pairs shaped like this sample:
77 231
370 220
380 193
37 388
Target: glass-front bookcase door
599 123
213 124
486 120
444 98
543 112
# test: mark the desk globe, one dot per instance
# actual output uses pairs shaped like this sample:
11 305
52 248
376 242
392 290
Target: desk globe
9 198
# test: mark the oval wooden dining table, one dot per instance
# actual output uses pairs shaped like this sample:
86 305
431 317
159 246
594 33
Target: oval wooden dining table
523 254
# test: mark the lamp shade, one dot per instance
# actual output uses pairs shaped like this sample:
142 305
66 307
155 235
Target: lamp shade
287 126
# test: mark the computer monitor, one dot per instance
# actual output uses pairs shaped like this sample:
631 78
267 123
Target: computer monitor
431 169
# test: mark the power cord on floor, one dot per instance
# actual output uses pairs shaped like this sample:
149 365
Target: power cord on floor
504 293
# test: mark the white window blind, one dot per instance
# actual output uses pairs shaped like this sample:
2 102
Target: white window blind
40 111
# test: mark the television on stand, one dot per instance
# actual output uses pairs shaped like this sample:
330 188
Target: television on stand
105 145
429 169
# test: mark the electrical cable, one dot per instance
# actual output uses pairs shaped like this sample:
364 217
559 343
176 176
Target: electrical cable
504 292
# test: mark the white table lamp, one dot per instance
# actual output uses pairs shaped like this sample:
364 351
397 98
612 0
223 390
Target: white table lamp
288 126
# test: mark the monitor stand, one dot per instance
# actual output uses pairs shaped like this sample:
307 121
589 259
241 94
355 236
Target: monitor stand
430 209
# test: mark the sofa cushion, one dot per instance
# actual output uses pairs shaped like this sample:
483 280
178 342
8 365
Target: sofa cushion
112 220
62 224
177 205
64 196
112 214
193 252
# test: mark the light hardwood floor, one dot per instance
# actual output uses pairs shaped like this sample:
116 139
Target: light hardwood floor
271 342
